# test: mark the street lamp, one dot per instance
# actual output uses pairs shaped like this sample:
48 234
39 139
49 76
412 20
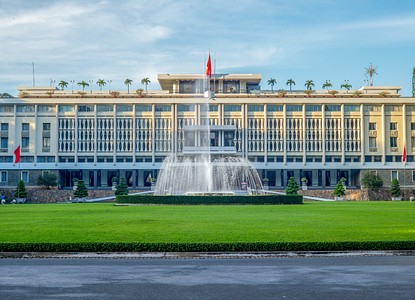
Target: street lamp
52 82
72 82
90 84
109 86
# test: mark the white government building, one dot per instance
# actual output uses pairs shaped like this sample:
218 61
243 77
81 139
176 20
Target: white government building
98 135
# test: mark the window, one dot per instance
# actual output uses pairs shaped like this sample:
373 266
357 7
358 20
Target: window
255 107
332 108
46 126
25 126
4 126
46 144
185 107
162 107
349 108
143 107
46 108
391 108
105 108
394 175
372 142
394 126
213 107
6 108
294 108
373 108
413 175
272 107
372 126
124 108
4 176
4 143
25 108
85 108
393 142
412 126
310 108
66 108
25 142
229 108
24 176
229 138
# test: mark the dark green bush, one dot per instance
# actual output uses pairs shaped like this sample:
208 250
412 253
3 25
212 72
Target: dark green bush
231 199
207 247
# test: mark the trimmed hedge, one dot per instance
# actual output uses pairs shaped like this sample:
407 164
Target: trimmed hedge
206 247
229 199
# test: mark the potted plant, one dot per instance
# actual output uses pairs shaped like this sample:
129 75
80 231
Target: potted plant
304 183
114 181
153 183
292 187
396 190
265 181
339 191
75 183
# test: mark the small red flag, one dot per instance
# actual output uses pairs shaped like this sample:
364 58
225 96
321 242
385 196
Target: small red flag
209 67
404 154
17 155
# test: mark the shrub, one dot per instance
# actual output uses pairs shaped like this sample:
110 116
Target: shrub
197 200
339 190
81 190
20 190
371 181
48 180
121 188
395 188
292 187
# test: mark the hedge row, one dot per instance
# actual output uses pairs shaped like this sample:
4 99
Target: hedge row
206 247
230 199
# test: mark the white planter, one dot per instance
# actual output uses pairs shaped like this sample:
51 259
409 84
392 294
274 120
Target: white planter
396 198
304 186
339 198
266 186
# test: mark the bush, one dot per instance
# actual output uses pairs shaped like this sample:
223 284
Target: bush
20 190
339 190
371 181
395 188
81 190
206 247
197 200
292 187
48 180
121 188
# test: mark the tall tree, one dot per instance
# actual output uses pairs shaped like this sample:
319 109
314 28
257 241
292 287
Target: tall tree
346 86
20 191
127 82
292 187
81 190
309 84
101 83
290 82
48 180
145 81
63 84
83 84
121 188
272 82
327 85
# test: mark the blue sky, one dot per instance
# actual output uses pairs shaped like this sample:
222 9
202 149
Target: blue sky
299 39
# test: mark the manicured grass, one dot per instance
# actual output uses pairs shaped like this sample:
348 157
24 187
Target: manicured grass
310 222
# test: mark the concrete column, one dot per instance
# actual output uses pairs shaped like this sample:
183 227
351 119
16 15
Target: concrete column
134 178
284 178
323 178
95 179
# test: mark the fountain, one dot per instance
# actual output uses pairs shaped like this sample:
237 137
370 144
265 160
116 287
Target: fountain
197 170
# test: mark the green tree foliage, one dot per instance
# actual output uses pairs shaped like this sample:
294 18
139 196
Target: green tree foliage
290 82
48 180
83 84
371 181
309 84
272 82
63 84
292 187
20 190
395 188
101 83
81 190
5 95
339 190
127 82
122 188
145 81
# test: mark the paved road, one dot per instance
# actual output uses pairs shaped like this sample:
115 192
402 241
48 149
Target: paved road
362 277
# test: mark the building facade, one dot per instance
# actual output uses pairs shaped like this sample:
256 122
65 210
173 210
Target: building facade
98 135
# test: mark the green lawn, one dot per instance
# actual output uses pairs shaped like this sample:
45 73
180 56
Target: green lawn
310 222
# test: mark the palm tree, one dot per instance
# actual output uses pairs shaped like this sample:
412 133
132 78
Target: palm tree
327 85
127 82
84 84
371 71
63 84
271 82
309 84
290 82
101 83
145 81
346 85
